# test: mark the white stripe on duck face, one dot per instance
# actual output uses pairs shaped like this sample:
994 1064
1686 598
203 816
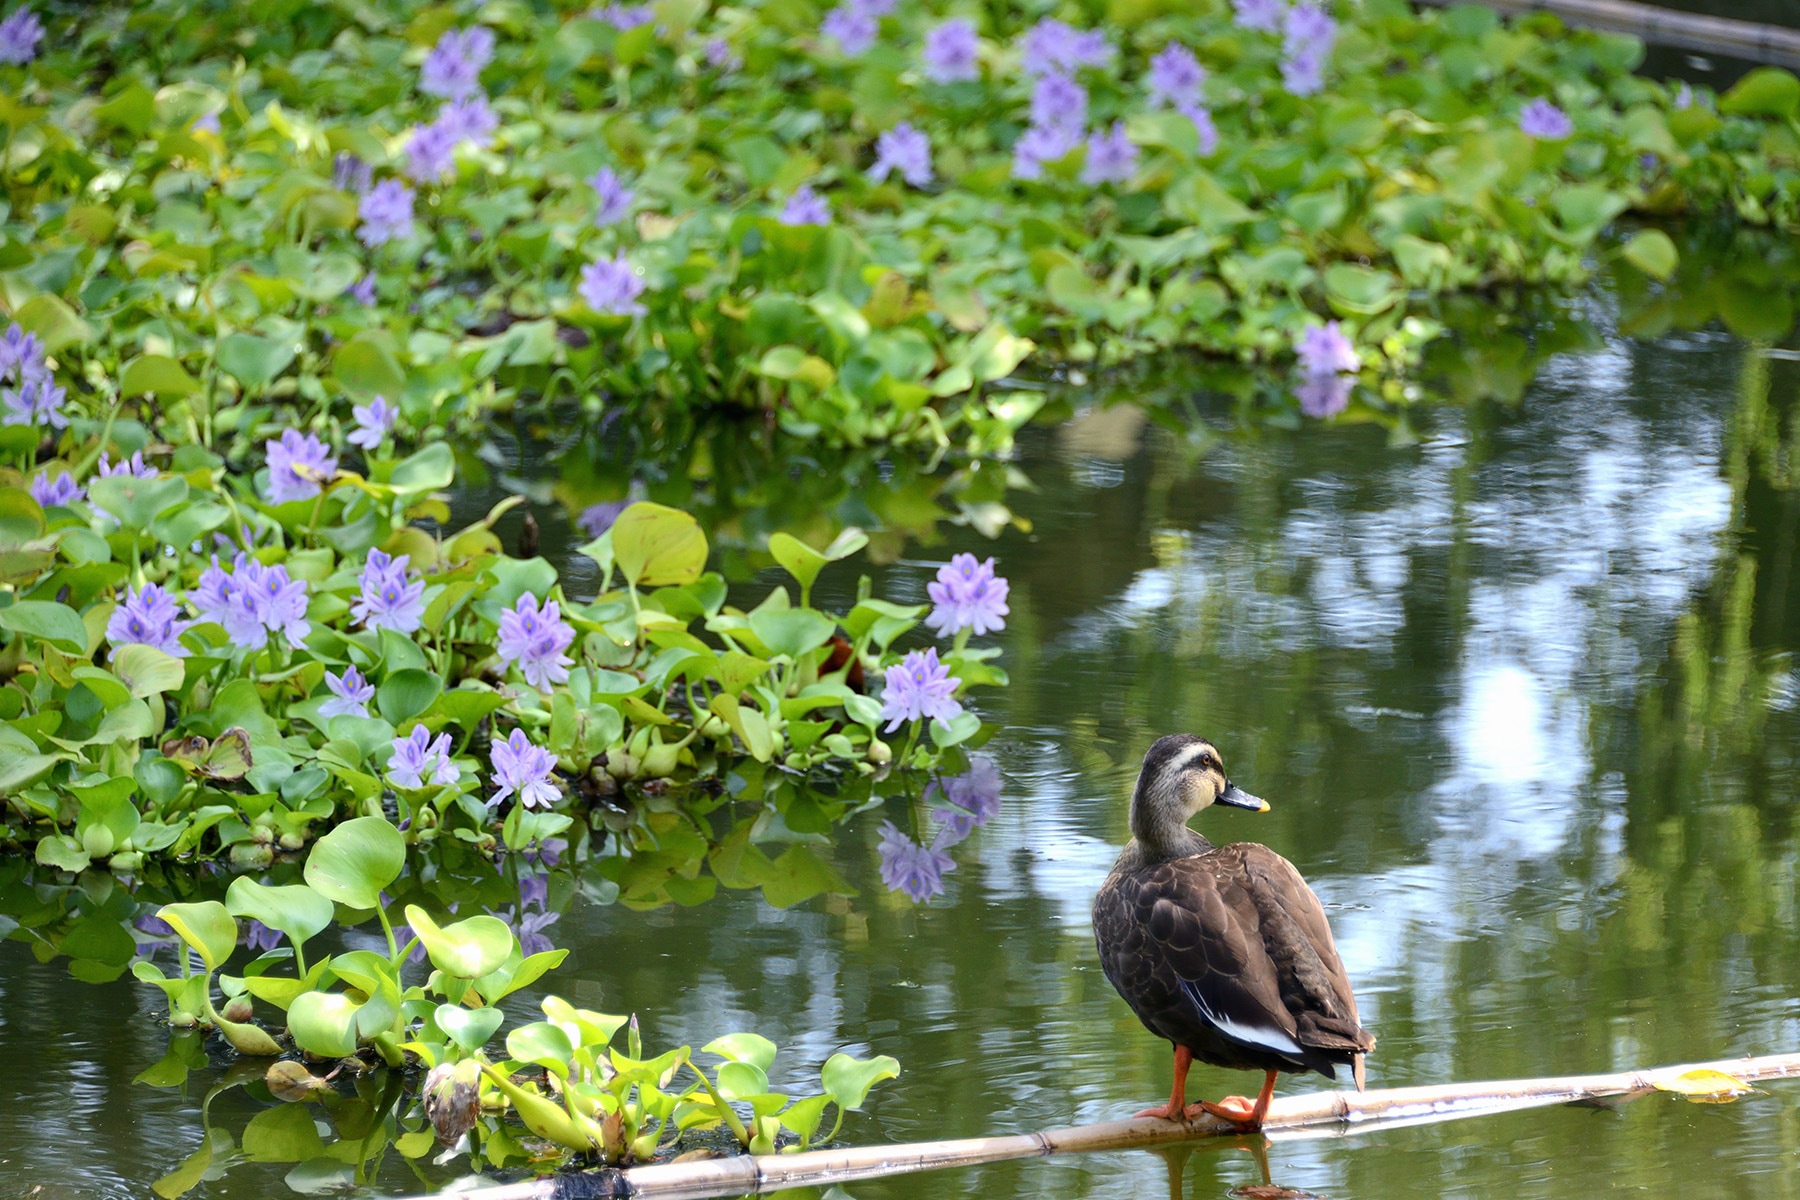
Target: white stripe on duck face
1261 1037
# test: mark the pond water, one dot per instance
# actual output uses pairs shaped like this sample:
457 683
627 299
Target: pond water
1520 685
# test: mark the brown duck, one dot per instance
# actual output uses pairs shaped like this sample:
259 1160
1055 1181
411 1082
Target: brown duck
1222 950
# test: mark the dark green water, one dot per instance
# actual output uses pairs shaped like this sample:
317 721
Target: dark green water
1521 691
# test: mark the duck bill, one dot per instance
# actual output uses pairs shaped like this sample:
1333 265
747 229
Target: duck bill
1237 797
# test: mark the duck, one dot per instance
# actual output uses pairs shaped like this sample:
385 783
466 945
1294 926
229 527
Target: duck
1222 951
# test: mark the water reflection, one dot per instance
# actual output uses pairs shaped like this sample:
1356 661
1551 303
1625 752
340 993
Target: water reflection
1518 678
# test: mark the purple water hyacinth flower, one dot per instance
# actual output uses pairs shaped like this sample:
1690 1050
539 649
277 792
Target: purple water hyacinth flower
1058 102
525 769
1542 119
623 16
529 928
351 174
35 402
1259 14
613 196
363 290
609 285
62 490
374 421
20 34
21 356
1206 133
1111 157
148 617
386 212
851 28
546 853
1039 145
207 122
1324 396
534 892
1324 350
1684 97
430 153
418 757
534 638
596 519
387 600
721 57
909 867
277 601
219 596
1053 47
973 796
350 694
806 207
919 687
300 466
952 52
1176 77
1307 34
260 937
453 68
133 466
469 120
967 595
906 150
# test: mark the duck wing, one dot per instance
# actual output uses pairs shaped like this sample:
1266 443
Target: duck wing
1247 946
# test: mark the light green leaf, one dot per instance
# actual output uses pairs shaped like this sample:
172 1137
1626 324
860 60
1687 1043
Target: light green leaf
351 864
206 926
656 546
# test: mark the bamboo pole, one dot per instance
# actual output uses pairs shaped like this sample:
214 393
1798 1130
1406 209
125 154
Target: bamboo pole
1750 40
1325 1113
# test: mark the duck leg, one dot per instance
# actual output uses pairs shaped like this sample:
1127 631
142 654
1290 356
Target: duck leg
1176 1109
1239 1111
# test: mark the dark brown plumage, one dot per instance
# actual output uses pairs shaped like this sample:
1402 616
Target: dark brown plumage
1224 951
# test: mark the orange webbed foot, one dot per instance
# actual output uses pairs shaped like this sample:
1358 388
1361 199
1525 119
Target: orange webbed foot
1239 1110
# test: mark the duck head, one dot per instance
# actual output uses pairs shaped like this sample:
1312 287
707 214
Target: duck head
1182 774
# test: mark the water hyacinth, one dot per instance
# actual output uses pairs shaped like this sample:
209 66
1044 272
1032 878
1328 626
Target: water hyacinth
952 52
1263 15
453 68
610 286
721 57
418 757
374 421
852 28
387 600
1205 132
34 402
470 119
351 174
1051 47
1111 157
908 867
967 595
252 601
386 211
260 937
63 490
1039 145
525 769
1323 396
906 150
613 196
430 153
1324 350
1058 102
919 687
350 694
300 466
973 798
363 290
596 519
148 617
805 207
20 34
533 638
1542 119
623 16
133 466
1175 77
21 356
1307 35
